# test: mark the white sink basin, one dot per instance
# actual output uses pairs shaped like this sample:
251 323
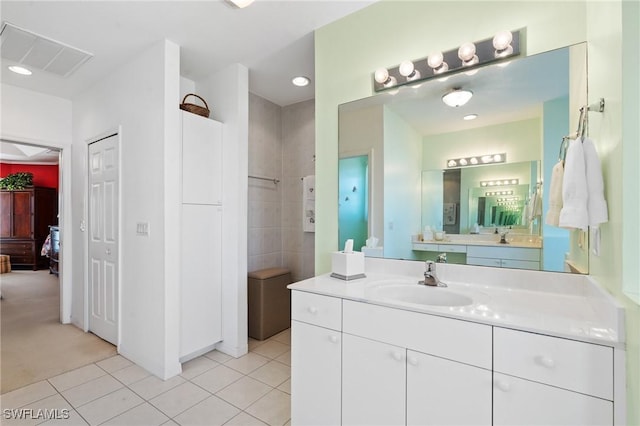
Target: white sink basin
422 295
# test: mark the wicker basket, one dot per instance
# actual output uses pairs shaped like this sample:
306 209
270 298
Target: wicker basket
196 109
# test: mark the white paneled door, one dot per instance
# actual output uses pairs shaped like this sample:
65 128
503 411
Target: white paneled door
103 238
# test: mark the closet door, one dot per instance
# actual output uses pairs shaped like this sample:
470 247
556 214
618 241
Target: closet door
201 159
201 281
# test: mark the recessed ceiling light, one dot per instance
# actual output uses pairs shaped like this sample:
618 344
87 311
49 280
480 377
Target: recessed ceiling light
20 70
470 117
300 81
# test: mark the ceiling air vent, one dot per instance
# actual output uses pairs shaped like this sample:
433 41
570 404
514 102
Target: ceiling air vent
38 52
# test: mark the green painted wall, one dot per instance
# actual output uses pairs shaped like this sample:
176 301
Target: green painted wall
387 32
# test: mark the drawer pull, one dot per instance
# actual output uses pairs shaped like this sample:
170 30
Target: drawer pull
412 360
545 361
503 386
333 339
396 355
312 310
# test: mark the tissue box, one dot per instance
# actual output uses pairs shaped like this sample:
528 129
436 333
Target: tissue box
347 266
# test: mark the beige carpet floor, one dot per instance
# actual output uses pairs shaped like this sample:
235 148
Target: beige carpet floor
34 345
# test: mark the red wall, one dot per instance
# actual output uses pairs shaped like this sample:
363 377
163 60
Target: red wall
43 175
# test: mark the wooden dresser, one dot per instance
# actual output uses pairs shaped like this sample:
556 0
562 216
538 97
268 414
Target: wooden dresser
25 216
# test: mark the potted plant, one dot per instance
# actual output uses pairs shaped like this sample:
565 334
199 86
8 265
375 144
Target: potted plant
19 180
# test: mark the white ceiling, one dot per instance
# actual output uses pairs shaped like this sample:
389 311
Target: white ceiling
274 39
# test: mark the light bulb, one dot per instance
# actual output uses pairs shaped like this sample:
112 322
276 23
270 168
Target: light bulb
452 163
502 40
463 162
497 158
407 69
486 158
473 160
381 75
435 59
467 51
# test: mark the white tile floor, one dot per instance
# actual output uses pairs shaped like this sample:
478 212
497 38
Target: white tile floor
214 389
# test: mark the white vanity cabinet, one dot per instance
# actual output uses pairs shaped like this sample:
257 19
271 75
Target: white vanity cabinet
401 367
543 380
316 358
373 382
504 257
360 363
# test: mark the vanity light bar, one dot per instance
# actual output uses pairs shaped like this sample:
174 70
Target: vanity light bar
505 44
493 193
499 182
477 160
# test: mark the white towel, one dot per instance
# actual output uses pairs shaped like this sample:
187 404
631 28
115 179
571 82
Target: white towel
596 205
574 189
555 195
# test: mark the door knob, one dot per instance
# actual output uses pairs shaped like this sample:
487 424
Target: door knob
108 251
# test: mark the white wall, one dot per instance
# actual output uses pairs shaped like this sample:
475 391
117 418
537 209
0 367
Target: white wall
140 98
298 160
227 93
33 117
402 185
361 132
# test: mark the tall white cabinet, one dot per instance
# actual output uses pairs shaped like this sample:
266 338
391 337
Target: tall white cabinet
201 236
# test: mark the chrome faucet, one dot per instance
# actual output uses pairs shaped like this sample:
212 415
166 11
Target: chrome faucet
442 258
430 277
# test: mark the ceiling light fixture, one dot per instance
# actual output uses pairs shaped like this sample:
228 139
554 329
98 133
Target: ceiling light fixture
300 81
20 70
457 97
470 117
240 4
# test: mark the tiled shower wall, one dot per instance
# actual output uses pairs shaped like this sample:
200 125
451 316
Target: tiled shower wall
281 146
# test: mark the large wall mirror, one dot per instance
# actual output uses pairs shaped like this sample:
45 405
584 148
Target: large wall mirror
404 192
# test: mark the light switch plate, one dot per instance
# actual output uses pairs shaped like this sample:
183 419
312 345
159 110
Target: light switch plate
142 229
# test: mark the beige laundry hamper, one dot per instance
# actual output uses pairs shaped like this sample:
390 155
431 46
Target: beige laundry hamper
269 302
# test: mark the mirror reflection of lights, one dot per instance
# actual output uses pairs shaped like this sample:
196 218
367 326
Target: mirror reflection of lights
499 182
470 117
477 160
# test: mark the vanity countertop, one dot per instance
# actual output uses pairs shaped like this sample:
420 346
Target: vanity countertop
578 309
490 240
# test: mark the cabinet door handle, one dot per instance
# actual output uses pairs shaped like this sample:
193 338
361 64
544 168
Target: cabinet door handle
545 361
396 355
333 339
312 310
108 251
502 385
412 360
